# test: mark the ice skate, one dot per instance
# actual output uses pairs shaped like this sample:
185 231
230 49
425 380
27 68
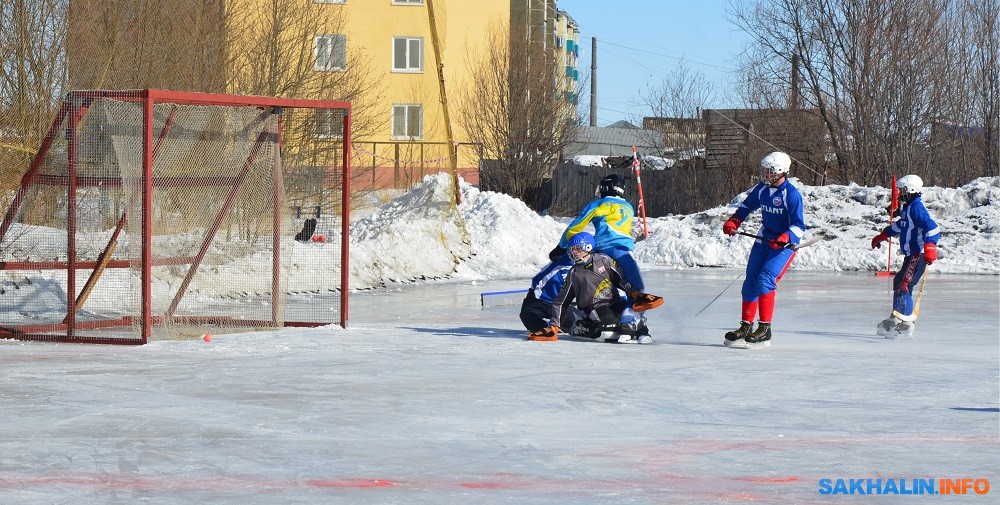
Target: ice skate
625 338
737 338
887 328
608 332
905 329
608 336
586 328
634 332
760 338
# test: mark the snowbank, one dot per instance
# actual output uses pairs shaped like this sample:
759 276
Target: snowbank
417 236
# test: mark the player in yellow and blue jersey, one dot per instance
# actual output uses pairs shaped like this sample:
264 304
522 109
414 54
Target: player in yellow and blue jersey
612 217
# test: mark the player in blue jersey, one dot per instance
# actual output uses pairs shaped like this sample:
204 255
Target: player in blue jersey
918 235
782 227
545 286
612 218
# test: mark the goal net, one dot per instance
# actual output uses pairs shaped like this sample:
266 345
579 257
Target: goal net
150 214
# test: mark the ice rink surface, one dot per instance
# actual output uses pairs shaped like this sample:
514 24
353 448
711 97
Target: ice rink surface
429 398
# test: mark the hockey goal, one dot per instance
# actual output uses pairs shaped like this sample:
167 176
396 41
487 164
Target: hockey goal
152 214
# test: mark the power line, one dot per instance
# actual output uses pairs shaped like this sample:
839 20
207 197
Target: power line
679 58
762 139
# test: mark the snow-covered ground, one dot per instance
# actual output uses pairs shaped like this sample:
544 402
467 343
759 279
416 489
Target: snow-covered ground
429 397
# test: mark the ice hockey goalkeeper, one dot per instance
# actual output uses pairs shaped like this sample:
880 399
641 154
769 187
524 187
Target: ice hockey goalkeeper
593 283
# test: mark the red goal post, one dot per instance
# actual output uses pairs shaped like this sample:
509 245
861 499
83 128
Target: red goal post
162 214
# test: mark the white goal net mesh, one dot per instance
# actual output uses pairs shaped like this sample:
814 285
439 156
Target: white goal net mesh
220 232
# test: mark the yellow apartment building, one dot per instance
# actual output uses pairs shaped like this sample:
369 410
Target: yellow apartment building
376 53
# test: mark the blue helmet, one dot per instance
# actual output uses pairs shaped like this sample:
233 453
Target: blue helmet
582 241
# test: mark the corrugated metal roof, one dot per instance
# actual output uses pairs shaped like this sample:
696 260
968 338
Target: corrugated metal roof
603 141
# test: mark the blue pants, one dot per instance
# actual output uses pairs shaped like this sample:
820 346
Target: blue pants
902 284
764 269
630 269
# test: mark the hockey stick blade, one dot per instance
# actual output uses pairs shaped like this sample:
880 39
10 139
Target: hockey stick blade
810 242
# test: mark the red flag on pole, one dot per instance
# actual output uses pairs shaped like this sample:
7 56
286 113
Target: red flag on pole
642 200
893 207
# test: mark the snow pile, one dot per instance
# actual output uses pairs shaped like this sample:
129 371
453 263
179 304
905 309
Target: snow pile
649 161
851 215
589 160
416 237
420 235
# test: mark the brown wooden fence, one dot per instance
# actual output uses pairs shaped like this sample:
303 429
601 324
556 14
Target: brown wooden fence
680 190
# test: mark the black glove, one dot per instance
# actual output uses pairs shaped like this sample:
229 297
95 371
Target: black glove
556 253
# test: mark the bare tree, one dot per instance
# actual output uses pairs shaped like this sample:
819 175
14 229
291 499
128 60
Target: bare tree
879 73
513 108
133 44
985 62
291 48
281 48
32 78
682 94
255 48
677 101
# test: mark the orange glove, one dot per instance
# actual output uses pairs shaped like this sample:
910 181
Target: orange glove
881 237
930 252
731 225
645 301
549 334
781 241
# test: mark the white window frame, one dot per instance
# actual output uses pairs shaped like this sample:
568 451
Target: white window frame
408 44
407 2
324 122
406 109
330 1
330 41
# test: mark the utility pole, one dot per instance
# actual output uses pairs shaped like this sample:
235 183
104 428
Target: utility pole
593 81
793 98
452 145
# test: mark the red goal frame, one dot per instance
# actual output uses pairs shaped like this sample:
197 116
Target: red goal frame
73 109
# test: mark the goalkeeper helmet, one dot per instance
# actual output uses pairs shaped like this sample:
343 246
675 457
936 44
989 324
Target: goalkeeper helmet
612 185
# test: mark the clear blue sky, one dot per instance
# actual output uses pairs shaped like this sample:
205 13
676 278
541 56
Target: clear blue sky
639 42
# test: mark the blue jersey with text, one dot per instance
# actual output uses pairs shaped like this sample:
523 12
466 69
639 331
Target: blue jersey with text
780 209
915 227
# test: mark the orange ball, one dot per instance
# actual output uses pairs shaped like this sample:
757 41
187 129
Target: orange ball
206 337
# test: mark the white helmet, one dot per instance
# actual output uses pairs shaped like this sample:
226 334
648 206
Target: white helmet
910 185
774 166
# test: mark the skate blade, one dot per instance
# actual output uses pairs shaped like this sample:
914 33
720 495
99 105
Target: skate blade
735 344
758 345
